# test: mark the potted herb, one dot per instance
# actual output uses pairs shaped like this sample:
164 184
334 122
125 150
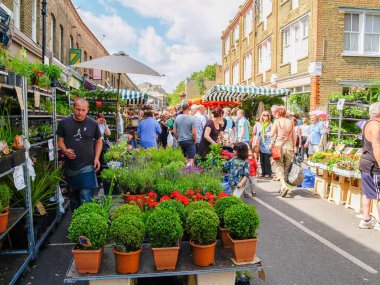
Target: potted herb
242 221
128 233
5 197
89 232
220 207
126 209
12 65
203 228
164 230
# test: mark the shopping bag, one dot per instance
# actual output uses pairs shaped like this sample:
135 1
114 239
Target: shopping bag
170 139
277 152
296 175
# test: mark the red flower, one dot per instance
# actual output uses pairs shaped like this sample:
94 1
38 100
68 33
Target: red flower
164 198
153 204
222 195
198 197
190 192
184 200
152 195
198 189
132 198
209 196
174 194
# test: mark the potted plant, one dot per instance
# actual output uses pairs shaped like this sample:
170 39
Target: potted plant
220 207
197 205
126 209
12 65
128 233
242 221
89 232
164 230
90 207
203 228
176 206
54 73
5 197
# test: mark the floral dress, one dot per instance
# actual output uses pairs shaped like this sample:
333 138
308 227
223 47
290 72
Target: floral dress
236 168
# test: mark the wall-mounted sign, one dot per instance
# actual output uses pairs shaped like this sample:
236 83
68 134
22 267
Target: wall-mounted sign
75 56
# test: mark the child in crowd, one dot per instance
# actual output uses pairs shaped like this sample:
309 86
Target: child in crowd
238 169
252 171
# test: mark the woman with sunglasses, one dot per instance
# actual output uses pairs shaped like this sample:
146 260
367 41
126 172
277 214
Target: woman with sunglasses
262 132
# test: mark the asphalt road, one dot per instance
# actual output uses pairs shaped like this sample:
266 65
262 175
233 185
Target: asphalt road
302 240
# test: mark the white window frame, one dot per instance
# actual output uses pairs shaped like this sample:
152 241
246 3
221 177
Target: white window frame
248 23
361 34
265 11
52 32
34 20
17 13
235 73
227 76
265 56
295 41
295 4
247 66
235 34
372 33
227 45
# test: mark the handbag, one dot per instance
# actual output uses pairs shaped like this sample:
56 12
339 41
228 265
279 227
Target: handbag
295 176
277 149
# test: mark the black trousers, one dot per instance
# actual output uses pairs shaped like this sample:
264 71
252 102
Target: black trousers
266 168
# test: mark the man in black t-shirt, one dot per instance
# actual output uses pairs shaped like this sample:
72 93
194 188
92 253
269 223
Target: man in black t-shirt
80 140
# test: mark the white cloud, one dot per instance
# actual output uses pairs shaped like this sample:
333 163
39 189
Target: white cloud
153 47
118 34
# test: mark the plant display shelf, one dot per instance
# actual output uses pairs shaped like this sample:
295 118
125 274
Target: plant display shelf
15 215
223 264
349 118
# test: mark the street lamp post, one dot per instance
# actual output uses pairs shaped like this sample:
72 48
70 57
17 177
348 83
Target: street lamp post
44 11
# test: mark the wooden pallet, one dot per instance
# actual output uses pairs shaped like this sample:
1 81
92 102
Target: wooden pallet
339 189
321 187
354 195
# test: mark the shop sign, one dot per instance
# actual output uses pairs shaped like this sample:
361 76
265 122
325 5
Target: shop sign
75 83
75 56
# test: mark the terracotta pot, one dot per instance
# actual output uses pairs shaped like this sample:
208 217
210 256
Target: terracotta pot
203 255
139 200
127 262
3 221
88 261
224 238
6 209
244 250
165 258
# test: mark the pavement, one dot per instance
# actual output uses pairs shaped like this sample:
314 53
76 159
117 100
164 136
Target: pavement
302 240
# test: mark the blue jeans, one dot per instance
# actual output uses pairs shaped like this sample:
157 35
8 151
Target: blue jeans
79 196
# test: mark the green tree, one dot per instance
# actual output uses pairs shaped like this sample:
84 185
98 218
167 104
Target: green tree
250 106
210 72
173 98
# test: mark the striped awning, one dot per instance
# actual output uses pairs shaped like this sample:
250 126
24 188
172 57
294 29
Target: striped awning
131 96
230 93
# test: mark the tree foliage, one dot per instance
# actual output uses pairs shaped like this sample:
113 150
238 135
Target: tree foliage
300 103
173 98
250 106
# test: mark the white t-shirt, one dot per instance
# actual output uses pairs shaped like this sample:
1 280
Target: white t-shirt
304 130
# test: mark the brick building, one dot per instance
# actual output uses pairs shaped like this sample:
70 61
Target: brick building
316 46
64 30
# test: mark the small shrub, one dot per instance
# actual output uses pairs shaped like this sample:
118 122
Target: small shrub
164 228
127 209
174 205
90 207
91 225
202 225
128 233
223 204
5 195
196 206
242 221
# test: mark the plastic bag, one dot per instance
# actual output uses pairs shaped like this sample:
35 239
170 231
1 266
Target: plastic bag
170 140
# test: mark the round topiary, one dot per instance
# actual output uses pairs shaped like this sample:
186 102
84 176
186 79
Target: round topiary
223 204
5 195
174 205
90 207
197 205
202 225
128 232
91 225
164 228
126 209
242 221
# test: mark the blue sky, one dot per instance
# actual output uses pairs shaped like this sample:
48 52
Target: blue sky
173 37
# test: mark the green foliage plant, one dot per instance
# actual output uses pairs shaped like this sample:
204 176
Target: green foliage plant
223 204
127 232
203 225
90 207
242 221
174 206
91 225
5 195
164 228
197 205
126 209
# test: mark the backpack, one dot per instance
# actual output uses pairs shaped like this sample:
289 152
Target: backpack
295 177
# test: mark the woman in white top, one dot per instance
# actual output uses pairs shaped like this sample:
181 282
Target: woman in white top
304 134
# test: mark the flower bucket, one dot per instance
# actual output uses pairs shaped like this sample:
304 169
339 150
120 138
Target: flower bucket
127 262
87 261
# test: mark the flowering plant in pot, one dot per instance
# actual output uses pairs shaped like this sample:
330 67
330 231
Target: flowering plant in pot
164 230
127 232
89 231
5 197
220 207
242 221
202 225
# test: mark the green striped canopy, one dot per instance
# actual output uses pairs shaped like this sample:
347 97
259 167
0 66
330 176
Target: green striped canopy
229 93
131 96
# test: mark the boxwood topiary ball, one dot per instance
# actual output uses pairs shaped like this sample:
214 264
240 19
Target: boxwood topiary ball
126 209
176 206
223 204
202 225
128 232
196 206
242 221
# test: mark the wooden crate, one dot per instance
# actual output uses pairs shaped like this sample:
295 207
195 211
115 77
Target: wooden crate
339 189
321 187
373 210
319 172
354 195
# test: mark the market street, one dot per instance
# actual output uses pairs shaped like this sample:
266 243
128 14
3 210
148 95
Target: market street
289 254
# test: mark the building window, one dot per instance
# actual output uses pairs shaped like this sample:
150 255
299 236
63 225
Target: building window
16 13
227 45
60 44
248 22
227 77
295 4
85 59
372 34
52 34
71 43
351 32
295 41
235 73
91 71
265 11
247 62
34 20
235 34
265 56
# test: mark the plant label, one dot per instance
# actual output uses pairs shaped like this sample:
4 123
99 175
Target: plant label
329 145
359 152
84 241
40 208
36 99
19 97
50 144
348 150
340 104
18 177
